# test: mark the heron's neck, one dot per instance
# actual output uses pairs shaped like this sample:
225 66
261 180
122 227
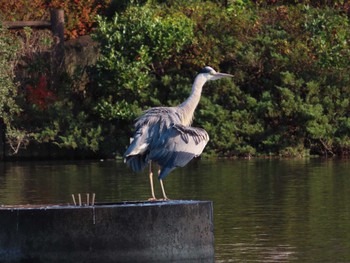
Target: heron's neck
188 106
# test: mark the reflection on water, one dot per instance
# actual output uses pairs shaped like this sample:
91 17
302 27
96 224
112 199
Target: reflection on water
264 210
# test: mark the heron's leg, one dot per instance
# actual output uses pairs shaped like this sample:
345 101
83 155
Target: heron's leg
161 184
164 195
151 182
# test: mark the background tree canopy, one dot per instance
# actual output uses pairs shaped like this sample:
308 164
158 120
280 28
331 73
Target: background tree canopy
289 97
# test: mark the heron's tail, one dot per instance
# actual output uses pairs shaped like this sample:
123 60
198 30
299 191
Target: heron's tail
164 172
136 162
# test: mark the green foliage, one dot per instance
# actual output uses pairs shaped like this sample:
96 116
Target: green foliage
134 45
9 109
67 127
289 95
8 90
328 38
63 124
290 92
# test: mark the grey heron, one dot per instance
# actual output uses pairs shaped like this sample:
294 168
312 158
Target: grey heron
164 134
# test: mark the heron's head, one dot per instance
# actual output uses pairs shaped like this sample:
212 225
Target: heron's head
210 74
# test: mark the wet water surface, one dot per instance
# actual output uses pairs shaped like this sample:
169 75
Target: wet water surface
264 210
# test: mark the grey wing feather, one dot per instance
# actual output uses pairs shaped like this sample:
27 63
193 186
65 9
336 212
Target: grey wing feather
177 147
137 162
136 154
164 116
149 128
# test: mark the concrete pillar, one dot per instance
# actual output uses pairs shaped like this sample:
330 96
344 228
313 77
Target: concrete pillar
122 232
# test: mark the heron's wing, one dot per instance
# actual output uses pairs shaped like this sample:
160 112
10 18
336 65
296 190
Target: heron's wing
136 154
177 146
163 117
149 128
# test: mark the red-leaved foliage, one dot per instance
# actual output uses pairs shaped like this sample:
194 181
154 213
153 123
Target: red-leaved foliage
79 14
40 95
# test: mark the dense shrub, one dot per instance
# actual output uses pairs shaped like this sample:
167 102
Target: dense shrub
46 115
290 93
136 47
299 58
9 109
8 87
289 96
55 116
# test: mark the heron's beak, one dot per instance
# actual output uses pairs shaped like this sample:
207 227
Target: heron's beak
219 75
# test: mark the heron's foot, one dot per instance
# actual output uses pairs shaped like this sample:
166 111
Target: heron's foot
153 199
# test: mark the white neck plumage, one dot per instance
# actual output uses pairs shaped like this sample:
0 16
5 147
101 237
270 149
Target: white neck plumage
188 107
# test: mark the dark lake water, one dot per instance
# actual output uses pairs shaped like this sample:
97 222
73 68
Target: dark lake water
264 210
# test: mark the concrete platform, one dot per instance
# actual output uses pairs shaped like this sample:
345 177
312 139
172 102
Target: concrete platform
168 231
